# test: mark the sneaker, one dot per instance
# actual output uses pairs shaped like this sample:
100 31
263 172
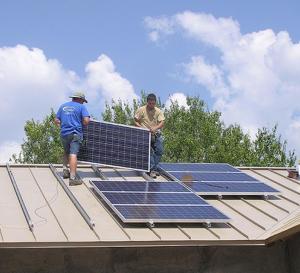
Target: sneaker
74 181
153 174
66 173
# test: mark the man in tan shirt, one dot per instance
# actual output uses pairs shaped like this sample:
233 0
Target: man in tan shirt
151 117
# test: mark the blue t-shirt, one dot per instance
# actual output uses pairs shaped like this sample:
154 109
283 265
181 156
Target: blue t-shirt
70 115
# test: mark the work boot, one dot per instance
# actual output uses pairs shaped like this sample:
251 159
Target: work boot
153 174
75 181
157 173
66 173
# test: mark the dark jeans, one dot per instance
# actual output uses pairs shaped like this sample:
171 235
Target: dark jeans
157 149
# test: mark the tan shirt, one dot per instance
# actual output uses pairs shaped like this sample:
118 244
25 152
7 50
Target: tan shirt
149 118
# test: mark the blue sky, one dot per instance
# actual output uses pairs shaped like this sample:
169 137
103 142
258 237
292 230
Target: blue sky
73 34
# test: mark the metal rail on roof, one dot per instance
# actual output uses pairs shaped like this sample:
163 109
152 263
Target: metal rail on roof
100 174
21 201
81 210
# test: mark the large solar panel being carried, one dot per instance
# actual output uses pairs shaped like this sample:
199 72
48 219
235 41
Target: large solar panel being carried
156 202
216 179
116 145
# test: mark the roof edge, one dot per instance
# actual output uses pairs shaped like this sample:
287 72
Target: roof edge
108 244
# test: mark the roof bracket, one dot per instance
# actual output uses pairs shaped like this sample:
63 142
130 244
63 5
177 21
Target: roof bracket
266 197
151 224
207 224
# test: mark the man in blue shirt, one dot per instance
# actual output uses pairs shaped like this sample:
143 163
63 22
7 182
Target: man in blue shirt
71 116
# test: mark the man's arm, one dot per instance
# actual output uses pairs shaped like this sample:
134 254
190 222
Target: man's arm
160 125
137 122
86 120
57 121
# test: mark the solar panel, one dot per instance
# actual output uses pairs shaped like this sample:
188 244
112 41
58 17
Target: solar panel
196 176
198 167
231 188
215 179
157 202
116 145
155 198
140 186
174 214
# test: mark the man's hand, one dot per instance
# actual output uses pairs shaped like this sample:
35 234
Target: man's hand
57 121
153 130
86 120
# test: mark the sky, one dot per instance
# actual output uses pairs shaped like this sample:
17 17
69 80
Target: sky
242 58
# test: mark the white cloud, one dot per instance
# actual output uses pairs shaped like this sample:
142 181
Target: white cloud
31 84
159 26
7 149
208 75
256 80
178 97
105 83
219 32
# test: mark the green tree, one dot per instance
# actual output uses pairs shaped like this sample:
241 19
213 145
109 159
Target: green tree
42 142
192 134
235 147
122 112
195 134
270 150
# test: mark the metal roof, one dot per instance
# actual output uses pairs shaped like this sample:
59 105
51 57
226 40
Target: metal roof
57 222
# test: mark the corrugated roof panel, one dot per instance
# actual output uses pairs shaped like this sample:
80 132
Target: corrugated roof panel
267 207
170 233
133 233
286 191
13 225
46 227
199 232
69 218
105 226
281 180
257 217
252 219
141 233
242 224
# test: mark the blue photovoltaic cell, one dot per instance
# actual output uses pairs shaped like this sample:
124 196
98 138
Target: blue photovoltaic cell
196 176
153 198
141 202
197 167
216 178
139 186
169 213
115 145
207 188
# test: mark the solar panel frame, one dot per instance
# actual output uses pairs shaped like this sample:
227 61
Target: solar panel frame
218 217
141 186
178 176
208 177
154 198
197 167
222 218
83 155
230 188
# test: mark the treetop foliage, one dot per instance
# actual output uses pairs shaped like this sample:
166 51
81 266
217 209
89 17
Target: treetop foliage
191 134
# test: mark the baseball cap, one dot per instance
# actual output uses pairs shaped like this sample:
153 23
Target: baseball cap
80 95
